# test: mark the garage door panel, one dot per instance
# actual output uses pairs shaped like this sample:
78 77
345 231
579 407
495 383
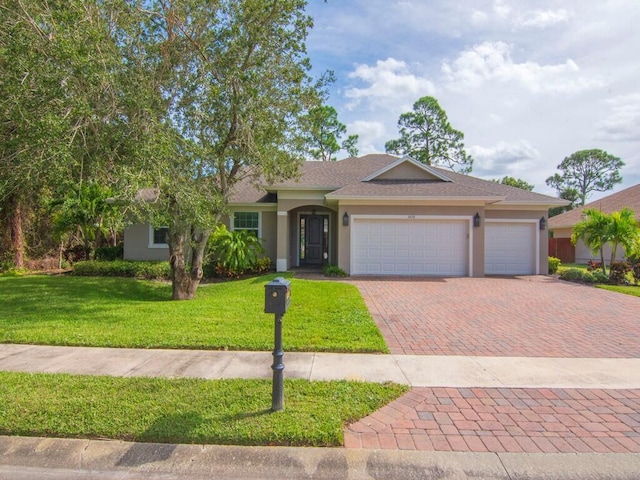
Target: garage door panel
410 247
510 248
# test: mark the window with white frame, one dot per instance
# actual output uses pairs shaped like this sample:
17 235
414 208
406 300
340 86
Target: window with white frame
158 237
249 221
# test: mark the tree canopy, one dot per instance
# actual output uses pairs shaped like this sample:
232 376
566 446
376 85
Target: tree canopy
323 133
184 97
586 171
515 182
427 136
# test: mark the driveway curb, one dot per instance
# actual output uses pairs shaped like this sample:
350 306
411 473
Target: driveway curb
73 458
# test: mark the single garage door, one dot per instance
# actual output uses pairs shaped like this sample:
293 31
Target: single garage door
409 247
509 248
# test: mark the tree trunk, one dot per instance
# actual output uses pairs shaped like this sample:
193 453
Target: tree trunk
604 267
17 235
186 278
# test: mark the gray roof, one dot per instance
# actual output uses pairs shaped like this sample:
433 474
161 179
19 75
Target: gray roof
344 178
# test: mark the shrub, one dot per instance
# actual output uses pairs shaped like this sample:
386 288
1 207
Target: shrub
109 253
593 265
554 264
237 252
634 263
577 275
123 268
618 273
333 271
599 277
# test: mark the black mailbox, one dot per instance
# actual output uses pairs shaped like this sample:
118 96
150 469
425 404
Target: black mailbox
277 296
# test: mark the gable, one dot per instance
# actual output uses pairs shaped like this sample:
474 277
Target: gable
407 169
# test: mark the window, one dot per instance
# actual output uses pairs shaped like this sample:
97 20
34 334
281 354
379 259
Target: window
158 237
249 221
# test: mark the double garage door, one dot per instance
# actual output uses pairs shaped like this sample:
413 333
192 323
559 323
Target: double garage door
439 247
410 247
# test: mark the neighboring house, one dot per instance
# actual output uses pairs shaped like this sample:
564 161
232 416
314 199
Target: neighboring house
562 225
383 215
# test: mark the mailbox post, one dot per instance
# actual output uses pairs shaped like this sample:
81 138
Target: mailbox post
277 296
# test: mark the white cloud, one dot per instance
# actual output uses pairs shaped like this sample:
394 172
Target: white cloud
541 18
369 134
623 124
492 62
501 9
390 84
514 159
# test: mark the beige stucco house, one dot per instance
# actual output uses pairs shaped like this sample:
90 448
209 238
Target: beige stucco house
383 215
561 226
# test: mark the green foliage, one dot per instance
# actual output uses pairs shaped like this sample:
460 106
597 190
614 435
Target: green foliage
323 133
599 277
236 252
191 411
333 271
85 216
515 182
587 171
123 268
324 316
594 232
109 254
554 264
634 263
618 273
577 275
427 136
598 229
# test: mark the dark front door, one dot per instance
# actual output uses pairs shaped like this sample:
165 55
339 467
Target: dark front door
314 230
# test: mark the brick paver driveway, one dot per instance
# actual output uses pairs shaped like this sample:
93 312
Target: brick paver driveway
525 316
533 316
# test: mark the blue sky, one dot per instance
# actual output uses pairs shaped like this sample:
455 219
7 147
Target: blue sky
528 82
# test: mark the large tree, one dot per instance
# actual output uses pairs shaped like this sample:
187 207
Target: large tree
427 136
57 102
323 133
226 84
587 171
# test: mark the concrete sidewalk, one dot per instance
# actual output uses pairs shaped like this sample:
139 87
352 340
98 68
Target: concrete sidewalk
414 370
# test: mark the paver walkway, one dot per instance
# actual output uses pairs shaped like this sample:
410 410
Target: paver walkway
533 316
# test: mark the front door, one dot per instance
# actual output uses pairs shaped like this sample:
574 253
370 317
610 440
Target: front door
314 235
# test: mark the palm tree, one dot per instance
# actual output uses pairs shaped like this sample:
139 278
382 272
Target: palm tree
594 231
623 230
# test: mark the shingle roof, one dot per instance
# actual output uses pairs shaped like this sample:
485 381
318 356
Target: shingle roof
629 197
344 178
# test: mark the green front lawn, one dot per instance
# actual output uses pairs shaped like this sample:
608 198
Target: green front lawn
197 411
124 312
626 289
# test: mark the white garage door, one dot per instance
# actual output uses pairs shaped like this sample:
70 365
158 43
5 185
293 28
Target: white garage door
509 248
409 247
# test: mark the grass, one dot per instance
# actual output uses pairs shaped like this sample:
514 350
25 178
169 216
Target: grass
124 312
626 289
227 412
